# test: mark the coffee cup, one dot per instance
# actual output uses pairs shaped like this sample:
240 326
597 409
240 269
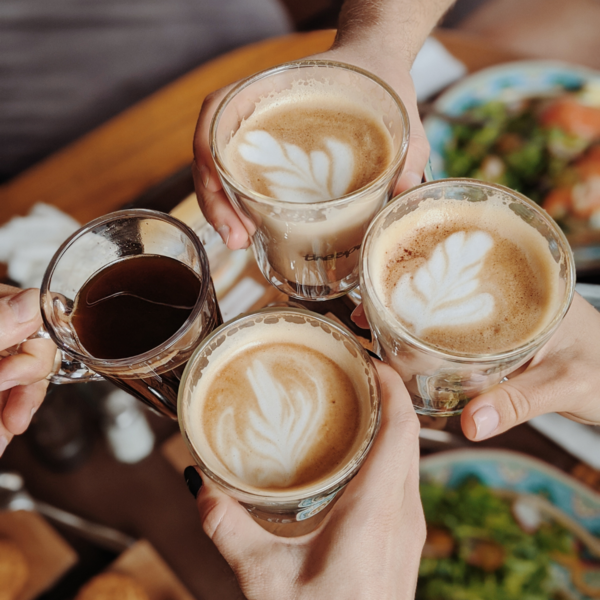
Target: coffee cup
127 298
462 282
279 408
308 152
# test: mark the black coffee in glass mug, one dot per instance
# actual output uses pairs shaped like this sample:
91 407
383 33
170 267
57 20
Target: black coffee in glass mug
128 298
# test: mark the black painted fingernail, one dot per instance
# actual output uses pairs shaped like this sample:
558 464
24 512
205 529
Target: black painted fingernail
193 480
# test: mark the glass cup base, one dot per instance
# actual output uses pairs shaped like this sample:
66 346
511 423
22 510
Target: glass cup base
429 412
288 525
313 293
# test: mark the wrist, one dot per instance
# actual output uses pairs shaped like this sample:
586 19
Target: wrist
388 30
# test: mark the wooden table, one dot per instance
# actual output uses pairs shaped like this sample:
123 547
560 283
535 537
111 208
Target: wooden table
112 166
142 146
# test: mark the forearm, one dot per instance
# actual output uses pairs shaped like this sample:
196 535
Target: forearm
388 30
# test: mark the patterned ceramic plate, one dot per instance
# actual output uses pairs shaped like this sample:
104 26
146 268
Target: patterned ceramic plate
506 470
508 81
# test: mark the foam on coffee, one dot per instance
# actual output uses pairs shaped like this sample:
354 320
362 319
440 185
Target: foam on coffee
270 414
309 143
471 277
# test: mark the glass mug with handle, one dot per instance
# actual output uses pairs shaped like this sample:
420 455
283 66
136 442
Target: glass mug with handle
308 152
127 298
462 282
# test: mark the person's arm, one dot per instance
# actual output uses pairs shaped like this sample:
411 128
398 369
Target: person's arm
22 376
368 547
381 36
388 33
563 377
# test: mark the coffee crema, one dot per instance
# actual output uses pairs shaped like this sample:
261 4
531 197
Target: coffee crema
273 415
471 277
309 143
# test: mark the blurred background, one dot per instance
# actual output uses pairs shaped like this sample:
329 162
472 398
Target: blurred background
68 66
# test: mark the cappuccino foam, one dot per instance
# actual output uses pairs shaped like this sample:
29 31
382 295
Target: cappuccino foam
471 277
275 415
309 143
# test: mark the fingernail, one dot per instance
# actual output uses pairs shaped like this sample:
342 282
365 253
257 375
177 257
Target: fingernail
193 480
224 232
357 313
3 444
372 354
7 385
410 179
25 305
486 421
204 175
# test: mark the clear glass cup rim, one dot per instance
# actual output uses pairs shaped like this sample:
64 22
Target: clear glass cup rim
457 356
134 213
302 64
335 481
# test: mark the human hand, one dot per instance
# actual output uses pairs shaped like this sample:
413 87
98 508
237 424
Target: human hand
22 376
235 229
368 546
563 377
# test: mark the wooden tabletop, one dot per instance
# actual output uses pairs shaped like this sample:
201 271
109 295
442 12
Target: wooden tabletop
142 146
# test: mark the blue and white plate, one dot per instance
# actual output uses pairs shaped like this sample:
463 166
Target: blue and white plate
508 81
506 470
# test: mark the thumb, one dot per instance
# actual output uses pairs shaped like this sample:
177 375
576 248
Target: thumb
418 147
416 161
19 317
542 388
233 531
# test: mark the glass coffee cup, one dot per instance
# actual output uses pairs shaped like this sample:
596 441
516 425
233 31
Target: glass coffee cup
133 240
462 282
280 408
309 189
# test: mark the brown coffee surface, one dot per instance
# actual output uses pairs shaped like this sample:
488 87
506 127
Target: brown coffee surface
134 305
309 147
468 277
280 415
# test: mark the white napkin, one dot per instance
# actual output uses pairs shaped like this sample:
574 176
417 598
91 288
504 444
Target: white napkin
27 244
434 69
582 441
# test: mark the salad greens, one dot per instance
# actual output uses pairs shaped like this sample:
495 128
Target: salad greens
476 550
510 148
546 147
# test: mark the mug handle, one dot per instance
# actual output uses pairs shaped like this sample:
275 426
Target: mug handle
65 368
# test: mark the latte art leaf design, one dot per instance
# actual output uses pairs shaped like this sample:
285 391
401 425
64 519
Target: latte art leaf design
444 291
296 176
278 436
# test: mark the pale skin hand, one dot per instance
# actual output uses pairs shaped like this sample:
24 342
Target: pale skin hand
563 377
22 376
380 36
368 547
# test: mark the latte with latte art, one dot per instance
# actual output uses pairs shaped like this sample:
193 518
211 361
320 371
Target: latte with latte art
280 406
309 144
281 415
309 152
471 277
